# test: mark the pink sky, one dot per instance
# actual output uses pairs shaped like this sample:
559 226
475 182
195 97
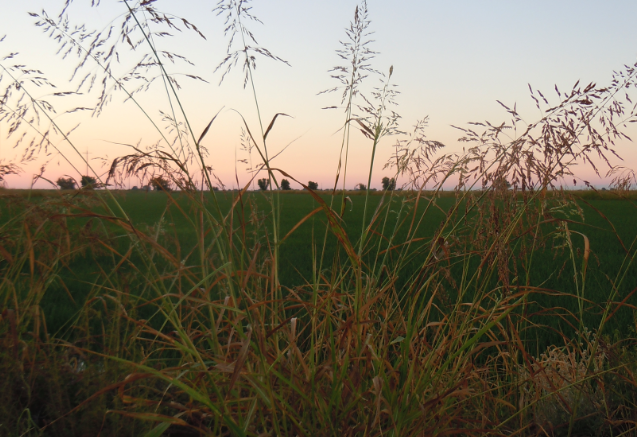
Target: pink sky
452 61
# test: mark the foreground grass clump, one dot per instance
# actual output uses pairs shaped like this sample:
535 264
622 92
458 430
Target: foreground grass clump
416 313
170 348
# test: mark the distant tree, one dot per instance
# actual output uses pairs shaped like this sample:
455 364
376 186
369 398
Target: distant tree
66 183
160 183
389 184
263 184
88 182
312 185
360 187
501 184
285 184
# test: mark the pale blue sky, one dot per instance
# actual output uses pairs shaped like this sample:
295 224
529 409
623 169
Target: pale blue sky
451 60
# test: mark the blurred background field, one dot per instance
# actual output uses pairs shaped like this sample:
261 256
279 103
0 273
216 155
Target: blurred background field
607 220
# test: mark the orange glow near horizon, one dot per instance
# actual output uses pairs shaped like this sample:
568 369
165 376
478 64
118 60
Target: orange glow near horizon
452 62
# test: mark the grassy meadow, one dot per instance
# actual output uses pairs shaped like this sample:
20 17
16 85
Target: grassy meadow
505 306
608 223
100 264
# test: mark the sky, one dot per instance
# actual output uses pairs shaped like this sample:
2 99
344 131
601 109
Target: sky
451 61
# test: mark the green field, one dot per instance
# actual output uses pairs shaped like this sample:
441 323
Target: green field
609 224
151 283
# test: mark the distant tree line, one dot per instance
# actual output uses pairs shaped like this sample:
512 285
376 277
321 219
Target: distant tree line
389 184
285 184
161 183
86 183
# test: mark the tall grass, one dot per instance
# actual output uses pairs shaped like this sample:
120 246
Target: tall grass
393 334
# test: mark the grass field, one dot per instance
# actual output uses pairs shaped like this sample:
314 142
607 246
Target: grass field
509 310
487 276
608 223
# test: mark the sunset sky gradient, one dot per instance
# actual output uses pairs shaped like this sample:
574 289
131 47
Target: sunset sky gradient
452 60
